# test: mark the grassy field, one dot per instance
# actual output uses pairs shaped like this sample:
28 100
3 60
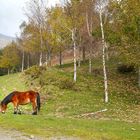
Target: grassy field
64 102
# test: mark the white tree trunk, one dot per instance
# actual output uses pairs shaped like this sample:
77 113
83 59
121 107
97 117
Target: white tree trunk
41 46
74 54
40 58
90 65
79 63
104 62
23 59
106 51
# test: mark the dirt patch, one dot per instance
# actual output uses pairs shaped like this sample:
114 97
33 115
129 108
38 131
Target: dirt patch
63 138
17 135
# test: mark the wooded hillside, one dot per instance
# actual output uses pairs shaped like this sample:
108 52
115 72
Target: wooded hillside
78 31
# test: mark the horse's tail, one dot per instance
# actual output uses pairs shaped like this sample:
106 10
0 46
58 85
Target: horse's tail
38 102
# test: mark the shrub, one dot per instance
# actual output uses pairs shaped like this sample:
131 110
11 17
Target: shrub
34 72
66 83
38 76
125 68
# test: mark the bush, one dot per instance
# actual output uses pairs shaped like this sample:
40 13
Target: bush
38 76
32 76
125 68
34 72
66 83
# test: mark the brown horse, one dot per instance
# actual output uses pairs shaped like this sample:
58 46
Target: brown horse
21 98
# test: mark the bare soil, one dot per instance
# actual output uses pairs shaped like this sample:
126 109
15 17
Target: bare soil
17 135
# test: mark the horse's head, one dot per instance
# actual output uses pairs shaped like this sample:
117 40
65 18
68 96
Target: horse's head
3 108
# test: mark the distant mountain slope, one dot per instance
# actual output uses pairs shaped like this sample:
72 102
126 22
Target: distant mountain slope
5 40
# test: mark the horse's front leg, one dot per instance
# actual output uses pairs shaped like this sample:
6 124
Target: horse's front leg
19 111
15 108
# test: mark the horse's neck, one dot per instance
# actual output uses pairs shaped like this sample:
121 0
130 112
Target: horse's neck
7 99
6 102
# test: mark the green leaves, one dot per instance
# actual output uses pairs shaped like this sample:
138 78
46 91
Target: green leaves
10 56
126 26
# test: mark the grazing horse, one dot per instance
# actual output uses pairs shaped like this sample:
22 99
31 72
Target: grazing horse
21 98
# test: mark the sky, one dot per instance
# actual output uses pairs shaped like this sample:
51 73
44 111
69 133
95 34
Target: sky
12 14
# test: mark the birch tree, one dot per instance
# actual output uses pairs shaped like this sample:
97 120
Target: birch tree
100 7
35 15
74 22
89 23
20 43
70 21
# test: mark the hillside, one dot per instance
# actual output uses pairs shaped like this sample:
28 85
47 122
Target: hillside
64 103
86 95
5 40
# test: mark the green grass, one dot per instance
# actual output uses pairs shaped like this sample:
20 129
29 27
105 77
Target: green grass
85 129
62 106
10 83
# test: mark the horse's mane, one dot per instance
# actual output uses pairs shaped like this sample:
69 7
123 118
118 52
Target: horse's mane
7 99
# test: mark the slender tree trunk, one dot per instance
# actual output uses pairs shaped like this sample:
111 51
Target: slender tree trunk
41 46
89 28
106 50
74 54
79 54
84 54
40 58
139 77
8 71
28 64
79 57
103 57
90 65
60 56
23 60
46 62
79 63
49 57
90 56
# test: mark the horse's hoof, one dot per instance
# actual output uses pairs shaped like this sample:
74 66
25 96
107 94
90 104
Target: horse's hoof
34 113
15 112
19 113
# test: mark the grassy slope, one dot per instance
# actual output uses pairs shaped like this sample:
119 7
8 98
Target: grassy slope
59 114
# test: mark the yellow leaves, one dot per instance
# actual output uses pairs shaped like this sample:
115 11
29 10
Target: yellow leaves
9 56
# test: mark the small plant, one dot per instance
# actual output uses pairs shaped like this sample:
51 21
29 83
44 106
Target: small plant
33 72
66 83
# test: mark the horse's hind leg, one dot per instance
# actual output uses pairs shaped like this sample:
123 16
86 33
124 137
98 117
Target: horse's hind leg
34 108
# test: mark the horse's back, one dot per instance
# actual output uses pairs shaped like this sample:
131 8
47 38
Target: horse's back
24 97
